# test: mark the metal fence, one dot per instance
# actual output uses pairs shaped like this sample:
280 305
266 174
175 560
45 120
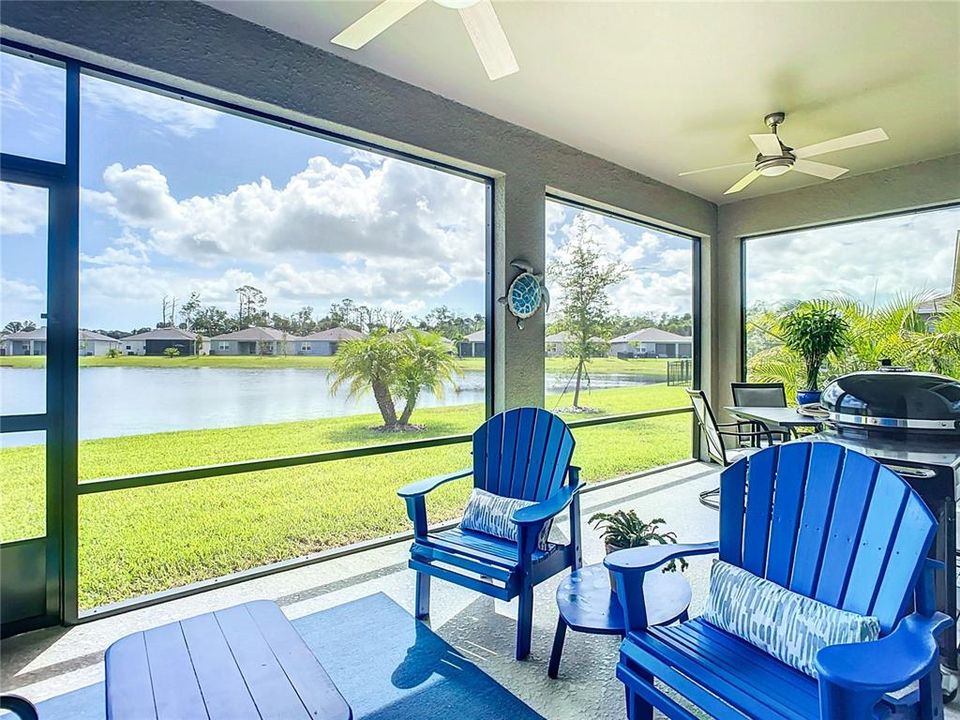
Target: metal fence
680 372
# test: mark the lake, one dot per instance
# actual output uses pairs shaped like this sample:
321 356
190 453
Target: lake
132 401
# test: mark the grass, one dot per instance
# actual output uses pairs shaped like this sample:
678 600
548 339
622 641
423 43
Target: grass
650 366
143 540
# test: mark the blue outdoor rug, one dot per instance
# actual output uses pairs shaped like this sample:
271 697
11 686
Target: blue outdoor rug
387 665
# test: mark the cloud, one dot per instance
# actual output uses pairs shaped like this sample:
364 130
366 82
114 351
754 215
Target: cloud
183 119
395 210
880 259
20 300
23 209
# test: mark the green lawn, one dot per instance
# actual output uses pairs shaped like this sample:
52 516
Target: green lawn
597 365
138 541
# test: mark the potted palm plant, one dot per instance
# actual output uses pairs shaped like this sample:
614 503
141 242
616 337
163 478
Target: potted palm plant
624 529
813 330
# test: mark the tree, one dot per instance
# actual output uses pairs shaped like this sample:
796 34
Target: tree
426 362
190 308
394 367
252 306
17 326
584 275
212 320
369 362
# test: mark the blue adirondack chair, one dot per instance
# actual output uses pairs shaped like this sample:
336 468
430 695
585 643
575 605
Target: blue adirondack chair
522 453
824 522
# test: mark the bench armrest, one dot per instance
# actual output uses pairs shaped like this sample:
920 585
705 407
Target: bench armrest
650 557
543 511
888 664
422 487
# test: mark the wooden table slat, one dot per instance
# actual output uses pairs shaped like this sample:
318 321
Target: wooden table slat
224 691
302 668
130 693
272 692
176 691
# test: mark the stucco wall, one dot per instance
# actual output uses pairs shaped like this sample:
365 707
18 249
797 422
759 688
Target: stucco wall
924 184
195 47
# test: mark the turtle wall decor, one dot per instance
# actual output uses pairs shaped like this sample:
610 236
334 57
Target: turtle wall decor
526 293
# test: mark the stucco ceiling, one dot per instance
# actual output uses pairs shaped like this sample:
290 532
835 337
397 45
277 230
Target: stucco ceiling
662 87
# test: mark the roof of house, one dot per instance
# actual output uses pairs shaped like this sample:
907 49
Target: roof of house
258 334
477 336
654 335
37 334
90 335
335 334
565 336
168 333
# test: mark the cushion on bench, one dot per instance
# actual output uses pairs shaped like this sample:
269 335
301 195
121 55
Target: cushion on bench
785 624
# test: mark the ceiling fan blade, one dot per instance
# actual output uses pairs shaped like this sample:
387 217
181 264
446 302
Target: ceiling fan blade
818 169
767 143
842 143
375 22
717 167
488 38
743 182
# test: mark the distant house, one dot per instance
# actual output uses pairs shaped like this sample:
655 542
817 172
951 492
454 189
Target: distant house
652 342
34 342
557 344
326 342
474 345
256 341
93 343
156 342
26 342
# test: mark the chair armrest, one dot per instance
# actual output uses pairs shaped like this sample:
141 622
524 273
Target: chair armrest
649 557
547 509
422 487
887 664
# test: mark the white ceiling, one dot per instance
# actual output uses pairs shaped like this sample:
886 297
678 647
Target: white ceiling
662 87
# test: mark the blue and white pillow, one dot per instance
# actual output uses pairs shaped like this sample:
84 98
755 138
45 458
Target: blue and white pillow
491 514
791 627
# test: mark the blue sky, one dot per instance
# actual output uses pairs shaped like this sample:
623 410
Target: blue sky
177 198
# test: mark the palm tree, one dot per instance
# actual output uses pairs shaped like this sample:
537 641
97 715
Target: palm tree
370 362
426 362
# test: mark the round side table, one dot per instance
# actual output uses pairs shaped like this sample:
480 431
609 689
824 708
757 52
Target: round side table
587 604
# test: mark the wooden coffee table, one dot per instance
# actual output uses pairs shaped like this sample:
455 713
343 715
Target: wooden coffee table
243 662
587 604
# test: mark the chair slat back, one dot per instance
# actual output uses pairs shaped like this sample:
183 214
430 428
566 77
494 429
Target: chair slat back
758 394
522 453
828 523
708 423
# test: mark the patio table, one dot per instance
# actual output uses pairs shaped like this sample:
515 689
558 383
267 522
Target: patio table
246 661
587 604
773 416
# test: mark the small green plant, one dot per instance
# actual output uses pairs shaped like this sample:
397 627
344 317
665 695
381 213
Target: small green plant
113 353
624 529
171 352
814 331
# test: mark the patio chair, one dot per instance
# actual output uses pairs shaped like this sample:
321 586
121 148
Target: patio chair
747 394
522 454
822 522
19 706
714 433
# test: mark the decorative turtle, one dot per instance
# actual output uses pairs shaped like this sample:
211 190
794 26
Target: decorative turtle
526 293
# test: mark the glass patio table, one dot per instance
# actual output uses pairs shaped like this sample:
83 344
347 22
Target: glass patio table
772 417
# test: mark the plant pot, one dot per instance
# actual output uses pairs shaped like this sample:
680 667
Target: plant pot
613 582
805 397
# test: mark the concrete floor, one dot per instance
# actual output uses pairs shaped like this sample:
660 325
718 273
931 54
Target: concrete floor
53 661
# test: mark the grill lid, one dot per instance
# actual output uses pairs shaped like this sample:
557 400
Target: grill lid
894 398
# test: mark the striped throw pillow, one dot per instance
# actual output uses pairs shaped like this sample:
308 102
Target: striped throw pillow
490 514
791 627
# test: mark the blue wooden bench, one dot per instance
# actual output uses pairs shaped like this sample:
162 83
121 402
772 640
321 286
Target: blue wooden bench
826 523
523 453
243 663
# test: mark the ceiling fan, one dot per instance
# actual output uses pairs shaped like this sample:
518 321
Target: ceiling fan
480 18
775 158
